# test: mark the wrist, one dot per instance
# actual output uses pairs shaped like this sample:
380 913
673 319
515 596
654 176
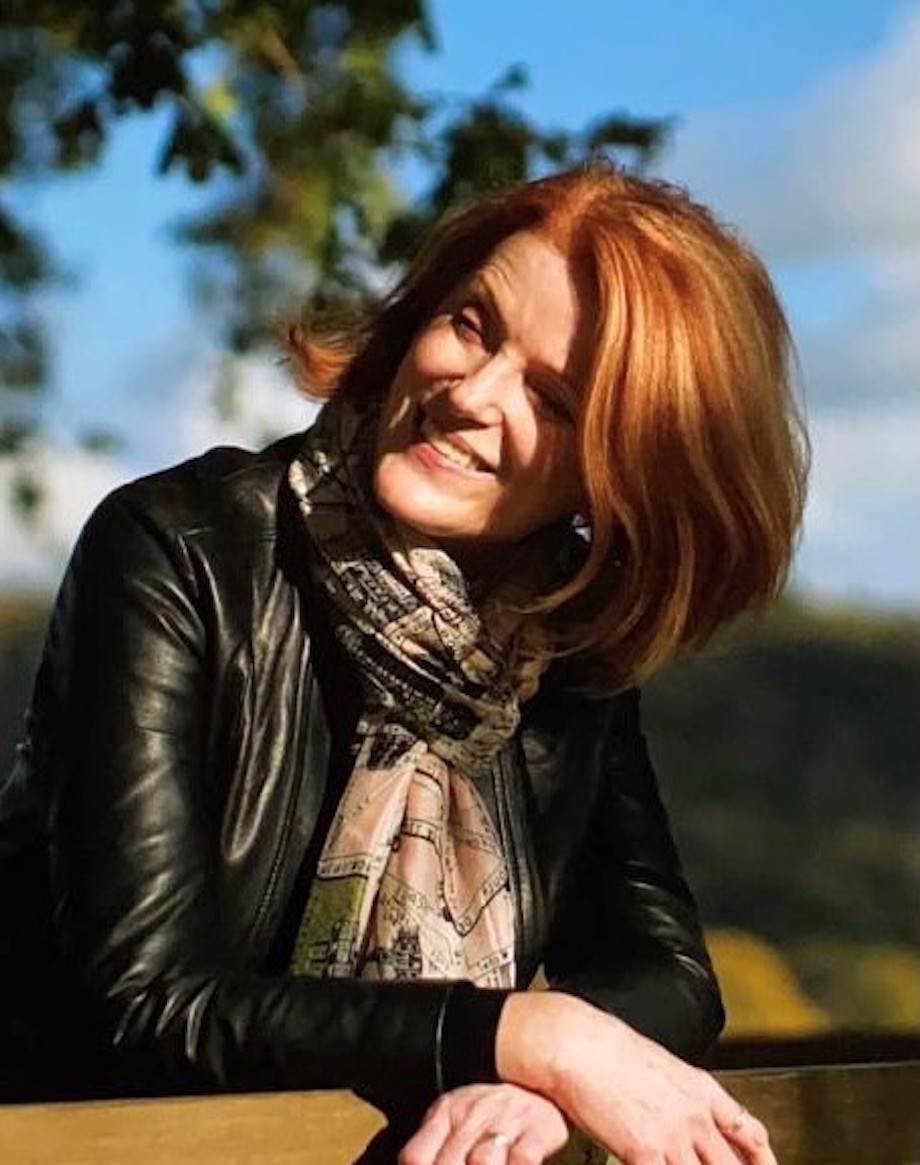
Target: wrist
535 1031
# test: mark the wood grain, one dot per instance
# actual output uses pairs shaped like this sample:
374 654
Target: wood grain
820 1116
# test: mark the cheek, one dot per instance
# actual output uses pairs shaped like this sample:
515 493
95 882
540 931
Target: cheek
555 462
434 353
398 408
412 373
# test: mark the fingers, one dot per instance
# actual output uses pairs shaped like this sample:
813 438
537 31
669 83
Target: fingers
705 1127
529 1148
679 1116
518 1146
743 1131
487 1125
490 1149
750 1137
423 1147
696 1140
470 1143
716 1150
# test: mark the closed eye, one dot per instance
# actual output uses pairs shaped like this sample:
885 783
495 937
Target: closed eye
467 324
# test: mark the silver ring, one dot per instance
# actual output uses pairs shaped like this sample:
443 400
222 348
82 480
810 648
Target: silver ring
739 1120
500 1140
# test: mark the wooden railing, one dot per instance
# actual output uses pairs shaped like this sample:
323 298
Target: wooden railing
844 1115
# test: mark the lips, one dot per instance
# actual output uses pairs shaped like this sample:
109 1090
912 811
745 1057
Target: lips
452 448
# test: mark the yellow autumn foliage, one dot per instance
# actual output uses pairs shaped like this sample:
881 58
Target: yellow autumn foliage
863 985
762 994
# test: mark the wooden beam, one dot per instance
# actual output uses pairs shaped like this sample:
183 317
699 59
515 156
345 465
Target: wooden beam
859 1115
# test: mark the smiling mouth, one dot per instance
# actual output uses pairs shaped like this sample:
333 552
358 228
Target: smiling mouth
450 450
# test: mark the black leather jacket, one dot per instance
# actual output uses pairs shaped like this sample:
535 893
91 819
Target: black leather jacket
177 757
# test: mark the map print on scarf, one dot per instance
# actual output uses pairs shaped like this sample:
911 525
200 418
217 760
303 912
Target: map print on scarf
412 881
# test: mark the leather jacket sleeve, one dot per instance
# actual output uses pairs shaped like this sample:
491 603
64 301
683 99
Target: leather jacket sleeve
627 937
118 734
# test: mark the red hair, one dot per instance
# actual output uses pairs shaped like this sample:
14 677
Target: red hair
693 454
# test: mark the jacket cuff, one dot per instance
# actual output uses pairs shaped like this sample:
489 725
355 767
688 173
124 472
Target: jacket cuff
466 1036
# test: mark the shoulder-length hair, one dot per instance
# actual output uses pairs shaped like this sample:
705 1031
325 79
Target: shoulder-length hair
693 453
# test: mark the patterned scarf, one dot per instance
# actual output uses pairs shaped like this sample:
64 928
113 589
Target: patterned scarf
412 881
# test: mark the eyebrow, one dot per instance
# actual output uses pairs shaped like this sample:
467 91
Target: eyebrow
479 289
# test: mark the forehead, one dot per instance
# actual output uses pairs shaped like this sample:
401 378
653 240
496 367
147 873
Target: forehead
529 283
526 262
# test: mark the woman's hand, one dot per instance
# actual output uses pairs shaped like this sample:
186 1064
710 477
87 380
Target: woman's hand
627 1093
487 1124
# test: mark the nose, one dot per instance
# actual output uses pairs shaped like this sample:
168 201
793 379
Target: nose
482 394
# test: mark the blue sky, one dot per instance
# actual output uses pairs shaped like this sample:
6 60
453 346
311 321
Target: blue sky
798 120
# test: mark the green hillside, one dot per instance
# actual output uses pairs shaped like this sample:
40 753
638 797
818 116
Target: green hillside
789 756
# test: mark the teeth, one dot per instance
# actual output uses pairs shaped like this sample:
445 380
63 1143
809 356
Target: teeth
459 457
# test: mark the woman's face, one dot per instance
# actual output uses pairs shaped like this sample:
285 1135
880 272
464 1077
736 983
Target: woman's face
477 442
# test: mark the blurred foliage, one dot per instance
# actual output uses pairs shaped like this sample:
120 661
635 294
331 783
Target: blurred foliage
760 988
788 756
295 113
22 622
862 985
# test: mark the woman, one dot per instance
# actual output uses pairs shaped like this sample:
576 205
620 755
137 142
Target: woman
332 746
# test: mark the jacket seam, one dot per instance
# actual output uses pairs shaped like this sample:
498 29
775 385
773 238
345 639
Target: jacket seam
281 854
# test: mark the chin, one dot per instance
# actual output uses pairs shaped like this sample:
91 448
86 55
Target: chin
397 491
412 501
425 520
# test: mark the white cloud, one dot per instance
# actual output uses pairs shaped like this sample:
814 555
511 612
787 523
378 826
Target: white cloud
73 482
836 172
247 403
862 526
827 188
832 181
870 357
183 424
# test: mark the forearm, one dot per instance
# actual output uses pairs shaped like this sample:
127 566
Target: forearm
674 1001
237 1031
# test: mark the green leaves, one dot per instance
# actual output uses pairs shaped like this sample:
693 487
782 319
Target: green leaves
643 137
23 258
80 134
23 357
296 114
199 143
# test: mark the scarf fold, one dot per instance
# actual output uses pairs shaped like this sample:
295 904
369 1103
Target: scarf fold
412 881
